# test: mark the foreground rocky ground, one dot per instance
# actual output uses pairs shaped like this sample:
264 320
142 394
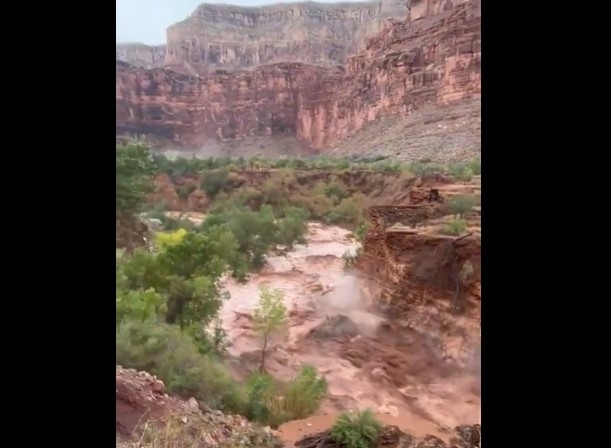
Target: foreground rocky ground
147 417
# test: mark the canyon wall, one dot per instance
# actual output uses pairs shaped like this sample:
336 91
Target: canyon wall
233 37
230 37
141 55
434 60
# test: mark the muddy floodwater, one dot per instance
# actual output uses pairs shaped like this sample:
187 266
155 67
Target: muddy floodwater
316 287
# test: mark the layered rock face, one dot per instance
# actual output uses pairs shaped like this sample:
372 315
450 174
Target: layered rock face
434 60
229 37
413 265
141 55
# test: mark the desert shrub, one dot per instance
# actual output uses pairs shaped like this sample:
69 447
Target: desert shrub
276 189
336 191
349 211
243 196
165 351
315 202
184 191
475 166
214 181
455 227
361 230
461 172
272 402
356 431
461 204
425 168
171 224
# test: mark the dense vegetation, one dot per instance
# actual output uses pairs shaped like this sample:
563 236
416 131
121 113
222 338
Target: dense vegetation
290 191
167 302
182 166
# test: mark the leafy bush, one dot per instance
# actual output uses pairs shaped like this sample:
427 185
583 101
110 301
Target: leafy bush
184 191
272 402
165 351
461 204
356 431
361 230
475 166
461 172
165 239
214 181
455 227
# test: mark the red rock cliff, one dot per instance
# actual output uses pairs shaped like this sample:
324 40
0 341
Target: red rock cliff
433 59
226 36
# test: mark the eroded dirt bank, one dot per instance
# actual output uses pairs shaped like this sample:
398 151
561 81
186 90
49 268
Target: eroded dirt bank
406 376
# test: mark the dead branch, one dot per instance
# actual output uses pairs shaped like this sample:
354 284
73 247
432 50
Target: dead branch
319 440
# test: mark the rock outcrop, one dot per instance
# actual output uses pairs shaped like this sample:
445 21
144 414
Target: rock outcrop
145 411
141 55
412 263
432 61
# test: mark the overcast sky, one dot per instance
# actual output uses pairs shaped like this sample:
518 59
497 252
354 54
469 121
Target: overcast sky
146 20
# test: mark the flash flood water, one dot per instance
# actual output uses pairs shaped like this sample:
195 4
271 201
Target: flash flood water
315 288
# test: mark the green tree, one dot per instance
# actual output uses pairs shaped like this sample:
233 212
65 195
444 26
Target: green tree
200 254
269 317
253 231
135 171
186 274
292 227
193 301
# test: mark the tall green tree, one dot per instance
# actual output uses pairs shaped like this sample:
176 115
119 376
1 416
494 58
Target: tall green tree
269 317
135 170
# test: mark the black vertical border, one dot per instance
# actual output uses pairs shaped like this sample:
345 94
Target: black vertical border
525 277
58 295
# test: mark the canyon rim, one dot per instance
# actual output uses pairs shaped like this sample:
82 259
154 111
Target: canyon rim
384 78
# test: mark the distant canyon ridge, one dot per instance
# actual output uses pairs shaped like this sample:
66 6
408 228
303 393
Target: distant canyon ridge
388 78
234 37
